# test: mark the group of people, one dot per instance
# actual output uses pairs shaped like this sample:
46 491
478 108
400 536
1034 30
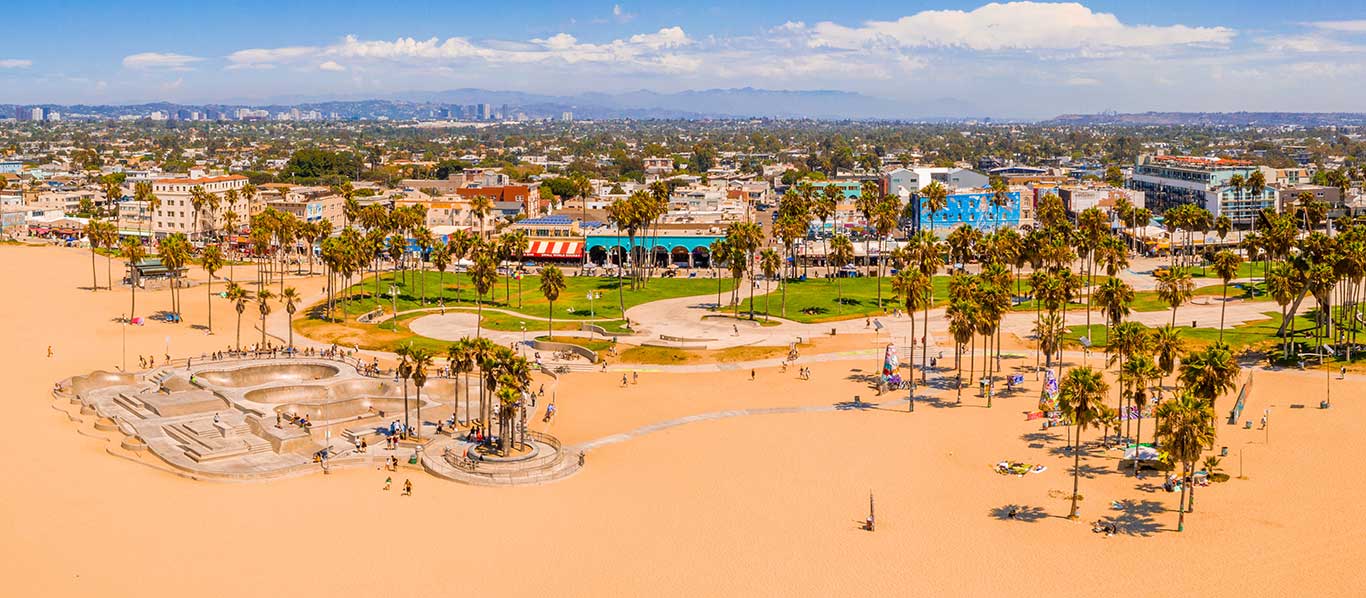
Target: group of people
407 485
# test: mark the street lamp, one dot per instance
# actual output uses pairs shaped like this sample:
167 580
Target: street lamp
393 297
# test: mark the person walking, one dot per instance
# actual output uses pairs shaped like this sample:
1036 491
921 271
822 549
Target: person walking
407 487
388 480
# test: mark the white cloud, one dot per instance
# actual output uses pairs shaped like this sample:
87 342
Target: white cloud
1309 44
15 63
256 58
159 60
1357 26
173 85
331 65
621 15
1009 26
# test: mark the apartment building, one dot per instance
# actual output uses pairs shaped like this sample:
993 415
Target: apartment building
177 214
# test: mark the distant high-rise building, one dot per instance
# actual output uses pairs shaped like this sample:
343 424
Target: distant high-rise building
183 114
485 112
567 116
20 113
36 113
53 117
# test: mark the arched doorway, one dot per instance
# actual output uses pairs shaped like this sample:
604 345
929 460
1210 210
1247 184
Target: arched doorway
597 255
661 256
701 257
680 256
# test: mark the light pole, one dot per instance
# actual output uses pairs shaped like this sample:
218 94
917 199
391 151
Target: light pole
124 328
393 297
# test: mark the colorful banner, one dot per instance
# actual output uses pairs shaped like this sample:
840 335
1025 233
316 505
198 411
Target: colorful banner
890 362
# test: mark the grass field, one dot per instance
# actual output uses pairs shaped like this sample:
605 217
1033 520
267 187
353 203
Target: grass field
816 300
572 305
1260 334
670 356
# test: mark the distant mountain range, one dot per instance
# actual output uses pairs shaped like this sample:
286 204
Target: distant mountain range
692 104
1219 119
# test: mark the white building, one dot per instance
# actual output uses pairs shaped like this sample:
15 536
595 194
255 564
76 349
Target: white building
177 214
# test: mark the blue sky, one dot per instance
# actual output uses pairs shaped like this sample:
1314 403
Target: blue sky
1015 59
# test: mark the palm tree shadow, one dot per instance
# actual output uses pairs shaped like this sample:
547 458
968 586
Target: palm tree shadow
1136 518
1090 472
1022 513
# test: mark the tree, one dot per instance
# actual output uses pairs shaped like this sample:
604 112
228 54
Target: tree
841 253
915 290
174 251
1174 287
1185 426
460 356
1136 373
1081 397
1283 285
935 198
212 261
1167 344
1114 177
239 297
483 274
419 359
263 305
769 263
290 297
98 233
1209 373
552 284
134 252
1226 266
883 220
404 369
962 314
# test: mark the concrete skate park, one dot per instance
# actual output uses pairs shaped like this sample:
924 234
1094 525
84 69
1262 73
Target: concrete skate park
256 419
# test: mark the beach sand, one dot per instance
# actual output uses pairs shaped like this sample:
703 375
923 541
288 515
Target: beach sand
764 505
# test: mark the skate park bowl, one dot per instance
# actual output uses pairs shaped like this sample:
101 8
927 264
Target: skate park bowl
350 410
257 375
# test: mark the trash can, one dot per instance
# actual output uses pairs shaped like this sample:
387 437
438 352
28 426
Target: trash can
1223 451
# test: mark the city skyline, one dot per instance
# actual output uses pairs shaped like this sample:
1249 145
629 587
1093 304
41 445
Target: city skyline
1021 59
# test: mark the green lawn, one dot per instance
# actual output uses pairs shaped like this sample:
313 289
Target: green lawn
1251 335
572 305
816 299
1245 270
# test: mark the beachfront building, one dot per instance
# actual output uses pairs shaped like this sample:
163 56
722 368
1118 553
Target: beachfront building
970 207
1169 181
915 178
1079 197
677 248
177 214
312 204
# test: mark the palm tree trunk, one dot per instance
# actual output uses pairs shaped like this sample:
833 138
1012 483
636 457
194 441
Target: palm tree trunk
1076 473
910 357
1222 307
406 426
972 362
768 287
550 326
1181 504
94 280
210 303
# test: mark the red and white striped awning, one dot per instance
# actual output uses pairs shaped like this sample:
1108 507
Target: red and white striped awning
555 249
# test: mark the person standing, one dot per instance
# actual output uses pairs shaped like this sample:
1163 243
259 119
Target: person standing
407 487
388 480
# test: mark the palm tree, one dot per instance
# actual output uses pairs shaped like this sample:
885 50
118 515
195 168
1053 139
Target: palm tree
483 274
915 289
552 284
419 360
1209 373
962 314
263 305
480 206
884 221
290 297
1135 374
239 297
1081 397
1174 287
769 263
440 257
96 233
212 261
404 369
134 252
1226 266
936 198
1167 345
460 355
841 253
1114 297
174 252
1185 426
745 238
1283 285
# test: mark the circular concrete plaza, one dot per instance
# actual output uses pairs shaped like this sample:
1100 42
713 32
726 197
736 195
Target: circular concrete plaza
452 326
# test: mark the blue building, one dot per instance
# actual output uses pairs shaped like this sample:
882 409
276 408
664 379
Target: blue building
972 208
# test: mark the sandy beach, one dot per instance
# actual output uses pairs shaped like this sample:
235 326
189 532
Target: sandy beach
746 504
